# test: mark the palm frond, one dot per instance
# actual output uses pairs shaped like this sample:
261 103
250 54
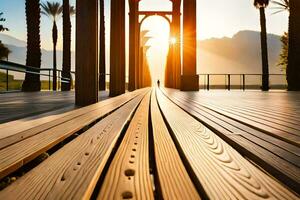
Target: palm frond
281 5
51 9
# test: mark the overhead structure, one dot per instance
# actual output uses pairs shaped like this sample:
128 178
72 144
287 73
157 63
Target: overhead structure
180 77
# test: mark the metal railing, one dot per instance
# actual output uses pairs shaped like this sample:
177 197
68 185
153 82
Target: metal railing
46 75
207 81
240 81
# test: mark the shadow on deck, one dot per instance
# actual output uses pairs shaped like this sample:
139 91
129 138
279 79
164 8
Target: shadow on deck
18 105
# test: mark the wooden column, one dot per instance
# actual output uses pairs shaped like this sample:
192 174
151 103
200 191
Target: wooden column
177 46
133 46
142 40
189 79
293 68
86 52
169 67
102 57
117 48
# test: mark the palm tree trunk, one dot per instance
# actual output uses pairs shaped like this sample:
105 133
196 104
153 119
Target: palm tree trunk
102 70
33 56
293 68
66 69
54 37
264 50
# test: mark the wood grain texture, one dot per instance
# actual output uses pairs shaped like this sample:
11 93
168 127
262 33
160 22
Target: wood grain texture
73 171
128 175
281 147
279 158
284 126
222 171
18 154
277 128
14 133
173 178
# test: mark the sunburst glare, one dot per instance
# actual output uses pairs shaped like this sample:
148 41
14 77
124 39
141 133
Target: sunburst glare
159 31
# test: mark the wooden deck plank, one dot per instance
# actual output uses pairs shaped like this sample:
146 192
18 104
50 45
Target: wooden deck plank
259 117
128 176
290 135
73 171
20 105
278 128
237 128
263 151
15 133
293 120
222 171
18 154
173 178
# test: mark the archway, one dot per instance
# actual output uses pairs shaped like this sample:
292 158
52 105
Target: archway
157 46
173 68
87 32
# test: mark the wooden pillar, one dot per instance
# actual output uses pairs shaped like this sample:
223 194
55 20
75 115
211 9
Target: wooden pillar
189 79
177 46
102 56
141 67
142 40
133 42
169 67
86 52
117 48
146 70
293 68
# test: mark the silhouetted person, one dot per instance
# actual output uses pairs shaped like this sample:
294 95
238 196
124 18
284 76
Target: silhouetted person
158 83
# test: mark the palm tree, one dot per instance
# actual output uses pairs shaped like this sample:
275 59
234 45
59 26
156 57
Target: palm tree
4 51
102 71
33 56
67 28
293 68
261 5
2 28
53 10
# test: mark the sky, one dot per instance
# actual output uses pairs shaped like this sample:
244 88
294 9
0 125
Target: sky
215 19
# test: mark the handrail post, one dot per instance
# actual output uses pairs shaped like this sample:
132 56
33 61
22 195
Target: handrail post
228 81
225 83
58 80
244 82
6 79
49 80
207 81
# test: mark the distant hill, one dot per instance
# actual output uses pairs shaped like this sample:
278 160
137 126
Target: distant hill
239 54
18 55
6 39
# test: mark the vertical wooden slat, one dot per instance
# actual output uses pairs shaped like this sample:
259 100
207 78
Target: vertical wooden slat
86 52
190 79
117 48
177 45
133 31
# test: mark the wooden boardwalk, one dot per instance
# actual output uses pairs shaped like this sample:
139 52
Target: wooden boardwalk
20 105
158 144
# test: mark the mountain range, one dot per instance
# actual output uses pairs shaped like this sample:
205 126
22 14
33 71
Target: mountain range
18 55
239 54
